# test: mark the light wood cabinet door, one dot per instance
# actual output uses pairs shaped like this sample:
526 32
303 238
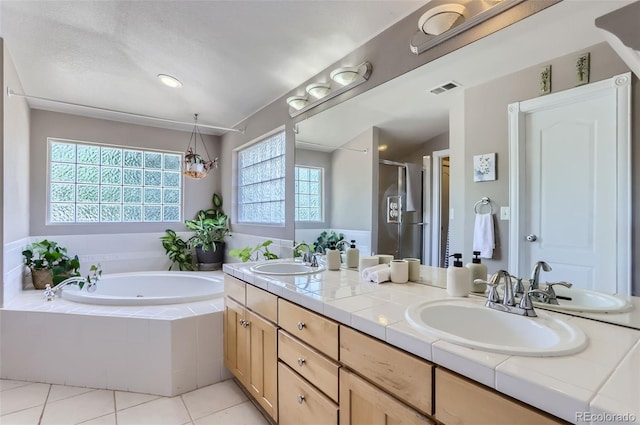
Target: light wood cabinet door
460 401
361 403
301 403
236 340
406 377
263 363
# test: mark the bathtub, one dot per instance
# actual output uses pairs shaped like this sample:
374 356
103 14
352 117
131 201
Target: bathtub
149 288
166 349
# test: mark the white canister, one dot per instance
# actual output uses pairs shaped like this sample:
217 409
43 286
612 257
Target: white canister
368 262
399 271
385 258
414 269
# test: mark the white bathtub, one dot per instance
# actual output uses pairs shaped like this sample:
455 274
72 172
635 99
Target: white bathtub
149 288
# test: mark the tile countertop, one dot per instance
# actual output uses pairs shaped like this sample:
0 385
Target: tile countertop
601 384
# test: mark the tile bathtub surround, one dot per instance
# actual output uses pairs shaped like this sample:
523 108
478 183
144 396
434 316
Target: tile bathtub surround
165 350
603 379
44 404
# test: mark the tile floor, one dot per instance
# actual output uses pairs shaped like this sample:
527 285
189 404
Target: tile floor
26 403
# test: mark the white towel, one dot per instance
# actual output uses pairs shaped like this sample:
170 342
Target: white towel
366 273
414 187
380 276
483 237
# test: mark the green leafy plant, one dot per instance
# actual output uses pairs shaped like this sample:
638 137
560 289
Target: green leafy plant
325 239
177 250
95 273
253 254
210 226
48 255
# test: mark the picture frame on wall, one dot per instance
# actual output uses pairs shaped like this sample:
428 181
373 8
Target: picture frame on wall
484 167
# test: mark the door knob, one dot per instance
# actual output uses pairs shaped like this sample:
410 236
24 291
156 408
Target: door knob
532 238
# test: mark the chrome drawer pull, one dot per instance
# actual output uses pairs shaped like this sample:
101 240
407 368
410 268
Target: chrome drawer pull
246 324
301 362
300 398
301 325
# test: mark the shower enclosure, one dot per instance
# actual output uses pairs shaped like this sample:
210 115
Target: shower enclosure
400 220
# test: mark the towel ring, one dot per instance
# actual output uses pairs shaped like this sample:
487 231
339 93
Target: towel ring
484 201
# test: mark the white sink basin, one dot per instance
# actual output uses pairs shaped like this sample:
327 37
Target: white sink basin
586 301
473 325
285 268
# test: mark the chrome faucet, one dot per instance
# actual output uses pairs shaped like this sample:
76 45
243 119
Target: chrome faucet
534 282
508 304
50 293
308 257
552 298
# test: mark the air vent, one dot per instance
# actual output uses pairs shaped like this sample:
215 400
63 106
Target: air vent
450 85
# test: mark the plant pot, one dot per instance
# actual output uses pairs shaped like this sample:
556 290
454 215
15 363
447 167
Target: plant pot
41 278
210 260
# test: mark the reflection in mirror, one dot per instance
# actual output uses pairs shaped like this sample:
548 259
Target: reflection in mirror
414 125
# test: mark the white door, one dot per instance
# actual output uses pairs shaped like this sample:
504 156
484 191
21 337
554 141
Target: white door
568 213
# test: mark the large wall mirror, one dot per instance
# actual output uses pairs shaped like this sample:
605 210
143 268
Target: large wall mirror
390 148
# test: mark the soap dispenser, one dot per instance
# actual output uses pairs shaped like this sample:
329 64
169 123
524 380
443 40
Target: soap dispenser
333 257
458 278
353 255
477 271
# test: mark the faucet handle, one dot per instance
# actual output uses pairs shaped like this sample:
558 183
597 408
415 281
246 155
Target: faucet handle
527 305
518 287
492 295
552 294
314 261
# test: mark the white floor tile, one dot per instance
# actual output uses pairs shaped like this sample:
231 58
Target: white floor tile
80 408
60 392
7 384
164 411
23 417
102 420
23 398
204 401
242 414
125 400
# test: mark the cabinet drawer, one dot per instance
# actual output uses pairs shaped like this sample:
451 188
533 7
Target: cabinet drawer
262 302
300 403
407 377
315 330
309 363
460 401
234 288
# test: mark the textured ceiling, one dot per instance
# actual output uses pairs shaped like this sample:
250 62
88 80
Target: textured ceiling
233 57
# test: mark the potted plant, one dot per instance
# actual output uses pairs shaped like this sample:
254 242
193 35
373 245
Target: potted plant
177 250
49 263
211 228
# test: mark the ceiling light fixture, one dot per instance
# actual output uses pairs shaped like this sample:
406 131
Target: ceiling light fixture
441 18
297 102
194 165
345 78
318 90
169 81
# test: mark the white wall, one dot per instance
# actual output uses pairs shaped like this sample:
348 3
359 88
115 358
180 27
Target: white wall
15 178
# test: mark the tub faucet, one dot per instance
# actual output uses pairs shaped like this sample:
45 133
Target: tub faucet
50 293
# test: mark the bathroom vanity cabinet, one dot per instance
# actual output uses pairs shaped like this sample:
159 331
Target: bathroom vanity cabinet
250 341
304 368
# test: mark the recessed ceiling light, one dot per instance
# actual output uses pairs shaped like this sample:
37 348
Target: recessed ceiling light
170 81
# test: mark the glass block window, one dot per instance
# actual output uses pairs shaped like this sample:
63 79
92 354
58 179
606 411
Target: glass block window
308 193
261 181
93 183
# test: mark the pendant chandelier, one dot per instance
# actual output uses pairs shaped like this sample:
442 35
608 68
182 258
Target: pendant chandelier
195 166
